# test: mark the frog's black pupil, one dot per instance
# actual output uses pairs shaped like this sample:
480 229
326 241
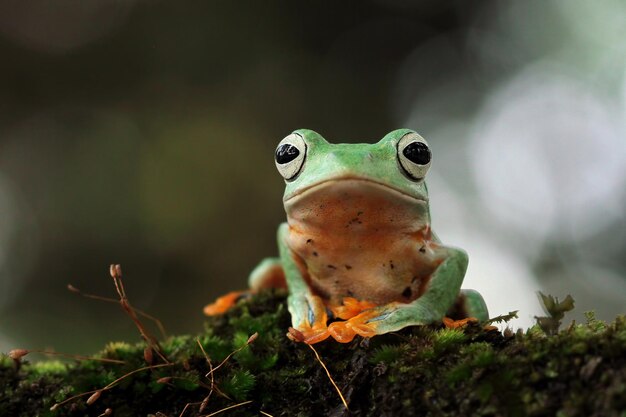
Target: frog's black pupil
286 153
417 152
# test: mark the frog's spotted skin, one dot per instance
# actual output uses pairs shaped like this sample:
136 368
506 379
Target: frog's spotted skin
357 243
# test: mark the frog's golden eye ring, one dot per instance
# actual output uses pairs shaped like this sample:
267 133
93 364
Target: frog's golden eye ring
414 155
290 155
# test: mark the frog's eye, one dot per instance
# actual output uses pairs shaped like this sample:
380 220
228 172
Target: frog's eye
414 155
290 155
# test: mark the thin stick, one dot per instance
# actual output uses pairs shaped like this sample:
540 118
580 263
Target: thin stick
109 386
250 340
226 409
265 414
116 274
205 401
71 356
186 407
142 313
329 377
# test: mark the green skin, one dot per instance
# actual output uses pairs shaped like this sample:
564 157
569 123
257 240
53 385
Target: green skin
335 183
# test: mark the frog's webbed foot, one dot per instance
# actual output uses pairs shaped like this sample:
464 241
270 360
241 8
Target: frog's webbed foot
268 274
224 303
351 307
372 322
308 317
455 324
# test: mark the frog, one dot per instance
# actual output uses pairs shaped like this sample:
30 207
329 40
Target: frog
357 253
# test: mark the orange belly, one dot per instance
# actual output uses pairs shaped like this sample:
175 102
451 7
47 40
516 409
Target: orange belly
362 242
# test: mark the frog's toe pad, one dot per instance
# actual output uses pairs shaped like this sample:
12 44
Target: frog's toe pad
309 335
341 332
351 307
344 331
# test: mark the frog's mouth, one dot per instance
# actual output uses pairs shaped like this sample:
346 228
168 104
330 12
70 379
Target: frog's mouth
328 183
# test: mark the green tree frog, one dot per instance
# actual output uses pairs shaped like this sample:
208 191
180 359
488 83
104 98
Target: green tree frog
357 252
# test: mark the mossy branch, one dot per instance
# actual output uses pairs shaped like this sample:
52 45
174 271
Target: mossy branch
428 370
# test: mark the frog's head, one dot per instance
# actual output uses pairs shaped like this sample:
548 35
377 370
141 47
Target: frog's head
397 164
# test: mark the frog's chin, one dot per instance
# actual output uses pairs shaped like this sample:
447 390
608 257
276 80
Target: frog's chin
332 182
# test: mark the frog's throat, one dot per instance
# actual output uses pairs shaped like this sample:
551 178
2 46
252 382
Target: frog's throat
330 181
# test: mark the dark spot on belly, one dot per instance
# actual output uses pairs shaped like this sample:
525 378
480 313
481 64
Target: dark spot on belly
314 253
423 249
352 221
309 241
331 266
350 293
414 280
348 267
391 264
359 213
407 292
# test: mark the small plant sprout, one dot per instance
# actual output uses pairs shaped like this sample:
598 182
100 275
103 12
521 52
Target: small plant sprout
251 339
556 311
504 318
211 376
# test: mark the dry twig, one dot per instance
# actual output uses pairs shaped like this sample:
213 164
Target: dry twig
116 274
142 313
329 377
226 409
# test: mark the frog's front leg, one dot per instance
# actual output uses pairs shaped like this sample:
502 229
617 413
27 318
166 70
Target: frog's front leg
441 293
308 311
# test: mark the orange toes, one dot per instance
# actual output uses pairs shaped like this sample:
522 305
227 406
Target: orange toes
351 307
455 324
295 335
364 329
223 304
310 335
345 331
341 332
316 337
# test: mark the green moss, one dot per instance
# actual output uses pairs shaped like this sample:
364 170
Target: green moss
445 339
427 370
238 384
53 367
387 354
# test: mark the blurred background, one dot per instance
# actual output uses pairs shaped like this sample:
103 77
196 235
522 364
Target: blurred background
143 132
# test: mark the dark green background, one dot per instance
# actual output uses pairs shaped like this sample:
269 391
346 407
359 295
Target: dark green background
150 142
